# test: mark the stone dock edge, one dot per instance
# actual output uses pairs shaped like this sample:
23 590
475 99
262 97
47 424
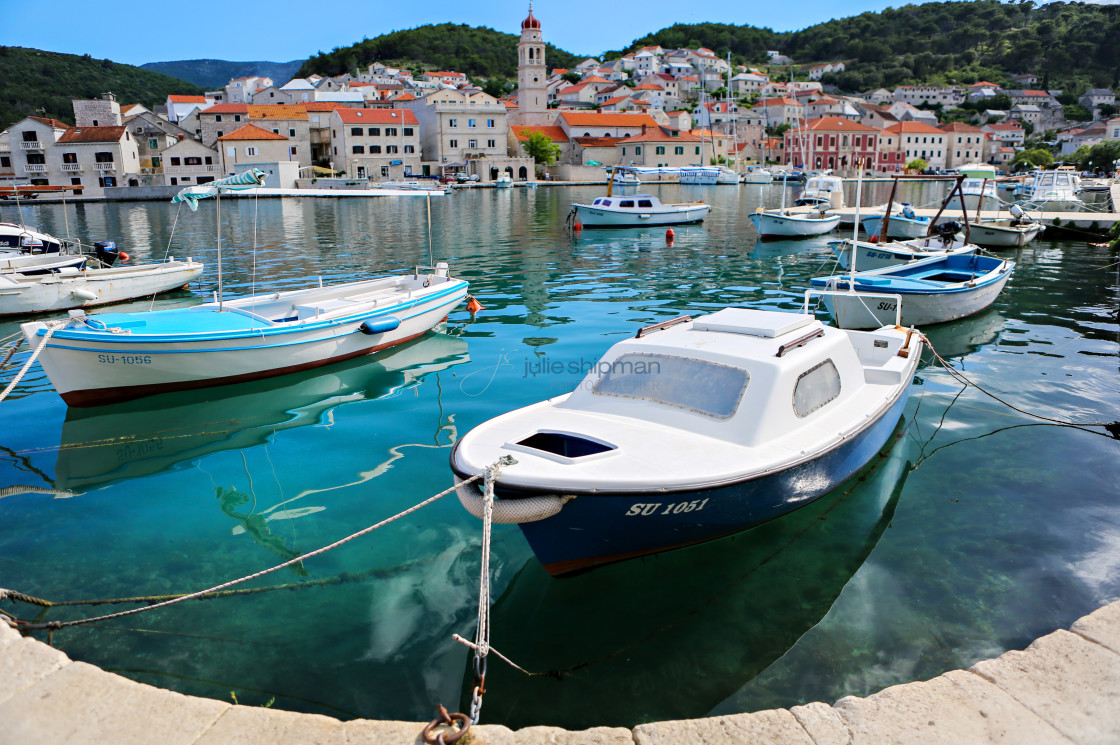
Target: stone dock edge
1064 688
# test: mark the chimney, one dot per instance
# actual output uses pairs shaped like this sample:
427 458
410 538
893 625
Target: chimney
643 129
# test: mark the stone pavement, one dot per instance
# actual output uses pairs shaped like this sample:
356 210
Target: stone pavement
1064 688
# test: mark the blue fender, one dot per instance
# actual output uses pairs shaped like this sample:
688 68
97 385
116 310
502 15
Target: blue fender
380 325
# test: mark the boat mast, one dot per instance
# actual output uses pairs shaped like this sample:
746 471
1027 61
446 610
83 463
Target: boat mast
855 228
218 225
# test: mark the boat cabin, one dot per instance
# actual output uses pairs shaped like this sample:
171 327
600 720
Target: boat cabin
742 376
631 202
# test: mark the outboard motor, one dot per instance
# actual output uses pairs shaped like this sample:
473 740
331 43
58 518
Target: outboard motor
947 232
1016 214
106 252
908 211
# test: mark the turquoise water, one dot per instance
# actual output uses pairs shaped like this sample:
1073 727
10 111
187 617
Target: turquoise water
976 530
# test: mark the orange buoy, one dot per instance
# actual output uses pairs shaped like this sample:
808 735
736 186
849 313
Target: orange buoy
577 227
123 256
873 239
670 235
473 305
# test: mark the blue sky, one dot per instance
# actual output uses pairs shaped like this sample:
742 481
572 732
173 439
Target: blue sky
283 30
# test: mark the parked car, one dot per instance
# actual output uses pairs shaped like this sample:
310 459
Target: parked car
463 178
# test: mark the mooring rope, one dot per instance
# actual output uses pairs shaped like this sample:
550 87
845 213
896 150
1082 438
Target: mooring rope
1112 427
51 328
53 625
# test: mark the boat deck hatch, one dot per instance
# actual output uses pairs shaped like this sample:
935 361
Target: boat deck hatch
568 446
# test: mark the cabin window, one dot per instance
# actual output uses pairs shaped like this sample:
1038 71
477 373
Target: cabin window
816 387
626 203
605 202
705 388
645 203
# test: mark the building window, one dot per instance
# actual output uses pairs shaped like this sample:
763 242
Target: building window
75 181
490 143
156 162
472 123
174 181
374 131
175 161
659 150
103 157
390 131
153 143
391 149
237 117
291 133
217 117
5 161
472 144
194 160
490 123
453 143
30 137
69 157
408 131
453 122
220 133
359 150
292 150
678 150
637 150
276 131
356 131
697 149
250 151
374 149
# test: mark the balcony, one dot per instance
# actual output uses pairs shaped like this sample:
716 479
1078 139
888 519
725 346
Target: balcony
106 167
32 145
212 169
71 167
35 168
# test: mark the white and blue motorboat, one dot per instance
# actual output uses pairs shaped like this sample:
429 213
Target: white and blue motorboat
903 225
932 290
112 357
876 255
692 430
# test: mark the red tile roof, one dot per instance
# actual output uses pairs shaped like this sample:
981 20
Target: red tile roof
278 111
554 133
598 141
914 128
596 119
664 134
835 123
187 99
227 108
377 116
252 132
91 134
960 127
50 122
323 105
612 101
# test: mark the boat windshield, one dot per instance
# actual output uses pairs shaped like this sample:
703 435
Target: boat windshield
706 388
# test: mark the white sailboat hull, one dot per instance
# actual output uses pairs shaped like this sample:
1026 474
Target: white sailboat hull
670 214
243 339
880 255
854 312
899 227
21 295
1003 235
772 224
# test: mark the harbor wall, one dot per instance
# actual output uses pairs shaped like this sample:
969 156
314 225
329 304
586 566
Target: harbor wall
1064 688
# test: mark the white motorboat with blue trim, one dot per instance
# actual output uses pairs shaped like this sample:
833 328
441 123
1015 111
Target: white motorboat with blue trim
637 210
113 357
692 430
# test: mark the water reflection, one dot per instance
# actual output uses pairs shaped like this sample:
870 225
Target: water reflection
671 636
109 444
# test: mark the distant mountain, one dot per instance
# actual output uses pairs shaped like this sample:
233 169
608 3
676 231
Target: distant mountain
212 74
476 51
34 82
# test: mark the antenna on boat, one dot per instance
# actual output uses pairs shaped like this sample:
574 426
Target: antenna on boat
431 259
855 228
218 230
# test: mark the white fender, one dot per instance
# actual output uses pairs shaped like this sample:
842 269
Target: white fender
527 510
83 294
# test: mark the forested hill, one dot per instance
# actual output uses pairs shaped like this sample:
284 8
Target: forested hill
213 74
1068 45
33 82
473 50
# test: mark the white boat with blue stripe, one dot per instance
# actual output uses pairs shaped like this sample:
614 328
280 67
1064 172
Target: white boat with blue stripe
112 357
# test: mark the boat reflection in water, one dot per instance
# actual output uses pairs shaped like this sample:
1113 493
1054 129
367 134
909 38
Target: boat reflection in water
964 336
108 444
672 635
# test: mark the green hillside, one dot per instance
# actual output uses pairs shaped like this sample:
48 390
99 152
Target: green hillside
213 74
476 51
33 82
1068 45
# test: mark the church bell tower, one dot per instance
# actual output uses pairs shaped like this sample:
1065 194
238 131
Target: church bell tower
532 97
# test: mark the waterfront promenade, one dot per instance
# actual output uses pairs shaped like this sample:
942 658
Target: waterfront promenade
1064 688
